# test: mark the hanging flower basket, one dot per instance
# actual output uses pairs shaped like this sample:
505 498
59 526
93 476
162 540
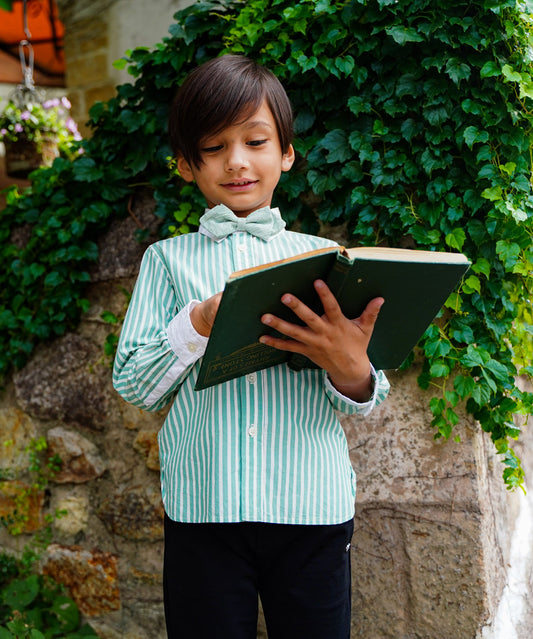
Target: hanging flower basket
34 133
24 156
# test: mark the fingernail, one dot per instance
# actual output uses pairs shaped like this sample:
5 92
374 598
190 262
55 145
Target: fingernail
286 299
266 319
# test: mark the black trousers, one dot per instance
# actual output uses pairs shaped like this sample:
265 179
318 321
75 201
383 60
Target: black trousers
213 574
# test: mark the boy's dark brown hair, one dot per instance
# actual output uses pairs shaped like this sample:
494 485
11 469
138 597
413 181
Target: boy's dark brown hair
221 93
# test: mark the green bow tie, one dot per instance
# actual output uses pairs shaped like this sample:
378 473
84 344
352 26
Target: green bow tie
220 222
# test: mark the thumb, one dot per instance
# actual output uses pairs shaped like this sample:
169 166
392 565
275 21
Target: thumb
369 316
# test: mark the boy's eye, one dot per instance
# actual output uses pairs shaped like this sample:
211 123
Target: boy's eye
211 149
256 142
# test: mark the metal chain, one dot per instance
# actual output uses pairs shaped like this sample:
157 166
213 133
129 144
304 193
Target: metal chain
25 92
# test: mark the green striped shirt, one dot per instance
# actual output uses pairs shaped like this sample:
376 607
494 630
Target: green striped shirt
263 447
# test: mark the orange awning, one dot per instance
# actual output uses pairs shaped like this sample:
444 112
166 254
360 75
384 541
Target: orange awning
46 39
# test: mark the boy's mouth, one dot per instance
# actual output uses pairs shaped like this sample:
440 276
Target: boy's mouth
239 184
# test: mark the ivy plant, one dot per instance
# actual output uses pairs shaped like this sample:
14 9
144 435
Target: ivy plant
33 605
413 128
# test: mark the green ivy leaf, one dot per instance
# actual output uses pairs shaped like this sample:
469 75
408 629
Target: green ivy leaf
439 368
67 613
472 284
86 170
511 75
508 252
336 143
493 193
457 70
526 89
482 265
464 385
481 394
472 135
456 239
474 356
452 417
490 69
454 302
20 593
121 63
403 35
109 317
498 370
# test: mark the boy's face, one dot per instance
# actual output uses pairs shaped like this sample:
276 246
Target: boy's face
241 165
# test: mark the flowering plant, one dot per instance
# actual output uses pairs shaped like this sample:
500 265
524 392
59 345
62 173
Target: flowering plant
39 122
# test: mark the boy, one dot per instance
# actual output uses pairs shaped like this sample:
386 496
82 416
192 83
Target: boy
256 478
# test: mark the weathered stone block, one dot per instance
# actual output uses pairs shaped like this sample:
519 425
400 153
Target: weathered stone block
60 382
80 461
119 249
17 430
146 444
426 560
90 576
21 506
75 514
92 68
134 514
100 94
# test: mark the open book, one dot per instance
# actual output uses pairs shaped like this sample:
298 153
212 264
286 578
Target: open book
415 284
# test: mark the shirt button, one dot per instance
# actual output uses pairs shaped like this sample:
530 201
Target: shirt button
252 431
192 348
251 378
241 248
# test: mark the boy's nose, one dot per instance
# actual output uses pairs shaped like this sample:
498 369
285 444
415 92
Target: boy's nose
236 159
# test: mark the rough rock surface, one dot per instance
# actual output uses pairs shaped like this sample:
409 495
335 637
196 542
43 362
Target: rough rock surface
80 461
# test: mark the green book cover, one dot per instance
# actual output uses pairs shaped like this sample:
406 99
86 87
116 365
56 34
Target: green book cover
415 284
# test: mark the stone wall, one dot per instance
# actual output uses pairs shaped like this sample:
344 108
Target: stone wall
99 32
438 539
441 550
107 548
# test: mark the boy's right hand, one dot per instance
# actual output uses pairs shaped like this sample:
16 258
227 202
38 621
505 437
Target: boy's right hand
203 315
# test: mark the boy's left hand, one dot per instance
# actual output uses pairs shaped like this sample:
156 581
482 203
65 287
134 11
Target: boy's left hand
332 341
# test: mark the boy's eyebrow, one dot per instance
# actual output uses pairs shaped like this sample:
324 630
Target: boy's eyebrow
247 124
254 123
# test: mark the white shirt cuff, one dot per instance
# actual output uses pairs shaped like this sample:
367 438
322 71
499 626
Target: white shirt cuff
362 408
186 343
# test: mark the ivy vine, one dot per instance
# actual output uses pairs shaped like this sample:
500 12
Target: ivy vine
33 605
413 128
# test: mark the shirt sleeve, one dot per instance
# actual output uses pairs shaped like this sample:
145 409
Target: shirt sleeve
349 406
158 344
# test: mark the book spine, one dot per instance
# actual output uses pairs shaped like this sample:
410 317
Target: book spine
297 362
338 274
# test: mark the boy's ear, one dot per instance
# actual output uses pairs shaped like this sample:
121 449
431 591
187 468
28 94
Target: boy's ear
287 160
184 169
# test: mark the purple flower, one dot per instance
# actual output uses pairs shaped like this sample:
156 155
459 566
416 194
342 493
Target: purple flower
18 128
25 115
3 132
66 102
51 103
